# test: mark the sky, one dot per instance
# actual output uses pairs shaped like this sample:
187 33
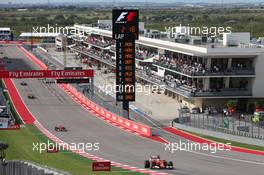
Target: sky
165 1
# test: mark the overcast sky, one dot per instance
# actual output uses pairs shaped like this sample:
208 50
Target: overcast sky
74 1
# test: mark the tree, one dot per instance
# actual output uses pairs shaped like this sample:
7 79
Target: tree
59 19
71 19
231 104
41 20
259 104
190 17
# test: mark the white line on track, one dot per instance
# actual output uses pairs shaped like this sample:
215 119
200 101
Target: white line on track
226 158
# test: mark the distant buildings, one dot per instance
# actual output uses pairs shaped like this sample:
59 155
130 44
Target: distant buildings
38 37
5 33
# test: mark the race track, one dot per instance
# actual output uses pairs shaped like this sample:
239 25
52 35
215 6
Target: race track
53 106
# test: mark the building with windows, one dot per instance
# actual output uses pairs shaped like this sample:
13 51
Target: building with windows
200 75
5 33
60 42
38 37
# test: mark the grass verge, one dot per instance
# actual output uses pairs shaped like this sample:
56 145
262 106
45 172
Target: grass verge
21 148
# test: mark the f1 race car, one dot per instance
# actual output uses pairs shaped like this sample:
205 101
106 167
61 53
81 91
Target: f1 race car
155 162
31 96
23 83
60 128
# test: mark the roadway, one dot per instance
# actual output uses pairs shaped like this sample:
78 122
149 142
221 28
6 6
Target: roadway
53 106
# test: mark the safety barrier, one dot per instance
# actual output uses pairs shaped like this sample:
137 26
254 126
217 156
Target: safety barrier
12 127
18 167
15 42
139 128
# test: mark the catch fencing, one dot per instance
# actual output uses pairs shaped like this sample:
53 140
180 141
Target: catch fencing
18 167
237 124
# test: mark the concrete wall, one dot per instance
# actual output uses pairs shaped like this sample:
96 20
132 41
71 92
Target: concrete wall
236 38
258 83
199 102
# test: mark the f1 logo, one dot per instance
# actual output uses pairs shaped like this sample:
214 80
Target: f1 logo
121 16
125 17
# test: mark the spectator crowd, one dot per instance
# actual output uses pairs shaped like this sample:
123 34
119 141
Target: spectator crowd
185 65
143 54
100 41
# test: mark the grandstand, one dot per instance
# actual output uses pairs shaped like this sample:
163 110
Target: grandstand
194 74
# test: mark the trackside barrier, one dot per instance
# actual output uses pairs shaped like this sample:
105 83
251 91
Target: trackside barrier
13 127
14 42
19 167
139 128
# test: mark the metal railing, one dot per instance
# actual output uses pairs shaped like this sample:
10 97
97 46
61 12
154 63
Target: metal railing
6 102
185 91
235 124
99 44
18 167
224 92
95 56
233 71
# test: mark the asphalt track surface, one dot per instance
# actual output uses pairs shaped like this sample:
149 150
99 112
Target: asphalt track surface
53 106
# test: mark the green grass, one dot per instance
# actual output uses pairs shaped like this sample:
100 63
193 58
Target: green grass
21 148
233 143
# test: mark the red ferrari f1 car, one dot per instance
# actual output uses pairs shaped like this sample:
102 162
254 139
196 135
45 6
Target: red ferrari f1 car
60 128
52 150
155 162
